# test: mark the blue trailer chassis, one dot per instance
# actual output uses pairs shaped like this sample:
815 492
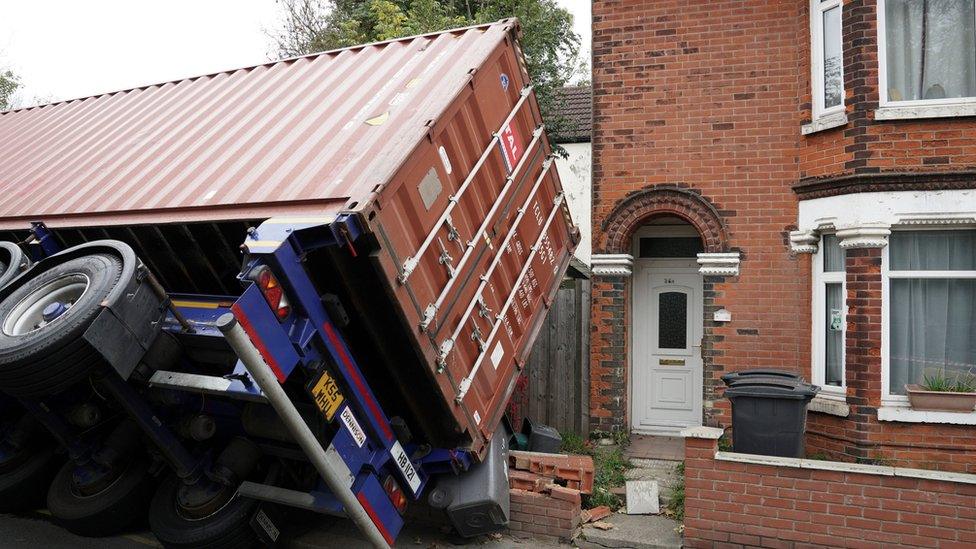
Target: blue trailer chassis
363 445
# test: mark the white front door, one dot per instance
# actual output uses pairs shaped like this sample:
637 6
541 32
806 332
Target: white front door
666 392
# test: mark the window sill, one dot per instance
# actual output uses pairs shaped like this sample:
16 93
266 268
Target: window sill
927 111
905 414
824 123
834 405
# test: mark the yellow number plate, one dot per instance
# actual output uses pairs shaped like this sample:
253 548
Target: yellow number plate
327 395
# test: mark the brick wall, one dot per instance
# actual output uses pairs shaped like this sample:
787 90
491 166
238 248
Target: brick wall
866 146
552 517
735 504
701 96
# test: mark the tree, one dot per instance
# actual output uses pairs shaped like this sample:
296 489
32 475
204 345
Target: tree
8 85
549 43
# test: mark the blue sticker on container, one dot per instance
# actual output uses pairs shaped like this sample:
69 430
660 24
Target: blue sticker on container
505 81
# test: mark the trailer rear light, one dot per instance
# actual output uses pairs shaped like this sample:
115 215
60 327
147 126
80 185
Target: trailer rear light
396 495
273 293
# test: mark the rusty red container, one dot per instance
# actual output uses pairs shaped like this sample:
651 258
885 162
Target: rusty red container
434 142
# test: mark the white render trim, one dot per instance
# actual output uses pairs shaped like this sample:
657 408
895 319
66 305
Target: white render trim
804 242
905 414
719 263
912 111
914 208
844 467
868 235
612 264
711 433
824 404
826 122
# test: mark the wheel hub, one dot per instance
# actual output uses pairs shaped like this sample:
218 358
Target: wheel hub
92 478
202 498
53 310
46 304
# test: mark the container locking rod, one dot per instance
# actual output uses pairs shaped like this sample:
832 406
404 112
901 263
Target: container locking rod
293 421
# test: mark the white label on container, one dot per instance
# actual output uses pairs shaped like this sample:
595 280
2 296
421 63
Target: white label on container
406 467
497 354
349 420
477 417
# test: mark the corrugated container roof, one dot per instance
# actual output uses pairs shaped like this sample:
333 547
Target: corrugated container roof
306 134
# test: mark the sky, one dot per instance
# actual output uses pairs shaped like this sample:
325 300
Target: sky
64 49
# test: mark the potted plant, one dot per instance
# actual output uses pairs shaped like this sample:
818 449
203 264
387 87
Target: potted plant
943 392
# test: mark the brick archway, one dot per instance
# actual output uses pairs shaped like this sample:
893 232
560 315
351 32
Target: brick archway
628 215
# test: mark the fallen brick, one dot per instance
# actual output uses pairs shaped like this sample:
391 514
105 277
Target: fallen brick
564 494
597 513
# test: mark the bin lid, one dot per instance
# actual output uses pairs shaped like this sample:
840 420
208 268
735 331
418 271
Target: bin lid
772 387
765 372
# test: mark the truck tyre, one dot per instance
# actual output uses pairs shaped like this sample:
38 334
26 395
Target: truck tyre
104 513
227 528
22 487
12 261
42 322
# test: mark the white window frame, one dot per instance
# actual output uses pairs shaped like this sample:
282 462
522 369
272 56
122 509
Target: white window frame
817 9
919 108
818 369
888 399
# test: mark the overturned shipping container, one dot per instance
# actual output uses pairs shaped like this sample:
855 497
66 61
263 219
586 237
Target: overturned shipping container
432 146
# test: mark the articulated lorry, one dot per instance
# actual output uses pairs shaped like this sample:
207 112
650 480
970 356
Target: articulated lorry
307 284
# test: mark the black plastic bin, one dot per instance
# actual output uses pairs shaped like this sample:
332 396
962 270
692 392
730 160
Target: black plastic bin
769 414
731 378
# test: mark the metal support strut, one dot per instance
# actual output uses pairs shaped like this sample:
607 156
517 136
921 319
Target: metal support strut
297 427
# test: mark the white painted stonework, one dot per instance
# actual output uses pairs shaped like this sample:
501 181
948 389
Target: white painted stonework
719 264
881 210
612 264
575 173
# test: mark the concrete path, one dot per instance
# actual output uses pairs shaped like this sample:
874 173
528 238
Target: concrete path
632 532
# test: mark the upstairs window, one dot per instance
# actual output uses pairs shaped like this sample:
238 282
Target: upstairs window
827 57
927 51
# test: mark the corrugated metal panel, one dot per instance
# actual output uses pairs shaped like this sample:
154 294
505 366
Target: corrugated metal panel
315 132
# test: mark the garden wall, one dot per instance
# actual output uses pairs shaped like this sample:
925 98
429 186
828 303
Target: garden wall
739 500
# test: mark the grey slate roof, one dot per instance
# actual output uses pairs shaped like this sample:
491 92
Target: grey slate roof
575 105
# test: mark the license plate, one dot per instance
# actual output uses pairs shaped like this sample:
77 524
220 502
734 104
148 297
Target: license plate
327 396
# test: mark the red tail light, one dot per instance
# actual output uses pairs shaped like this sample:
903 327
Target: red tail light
396 495
272 290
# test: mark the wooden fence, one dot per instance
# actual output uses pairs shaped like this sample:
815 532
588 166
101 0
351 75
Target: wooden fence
554 387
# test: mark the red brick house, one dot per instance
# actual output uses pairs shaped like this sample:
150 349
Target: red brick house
787 184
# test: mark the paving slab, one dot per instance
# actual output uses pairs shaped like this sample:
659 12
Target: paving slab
632 532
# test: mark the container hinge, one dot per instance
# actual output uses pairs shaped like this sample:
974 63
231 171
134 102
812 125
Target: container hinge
429 313
446 259
446 347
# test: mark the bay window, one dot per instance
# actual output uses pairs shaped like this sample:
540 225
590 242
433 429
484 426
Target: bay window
930 280
829 322
927 52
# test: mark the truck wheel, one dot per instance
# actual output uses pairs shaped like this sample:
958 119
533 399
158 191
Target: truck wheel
12 259
22 485
226 526
105 512
42 351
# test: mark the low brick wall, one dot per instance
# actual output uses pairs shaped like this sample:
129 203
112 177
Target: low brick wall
739 500
550 517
